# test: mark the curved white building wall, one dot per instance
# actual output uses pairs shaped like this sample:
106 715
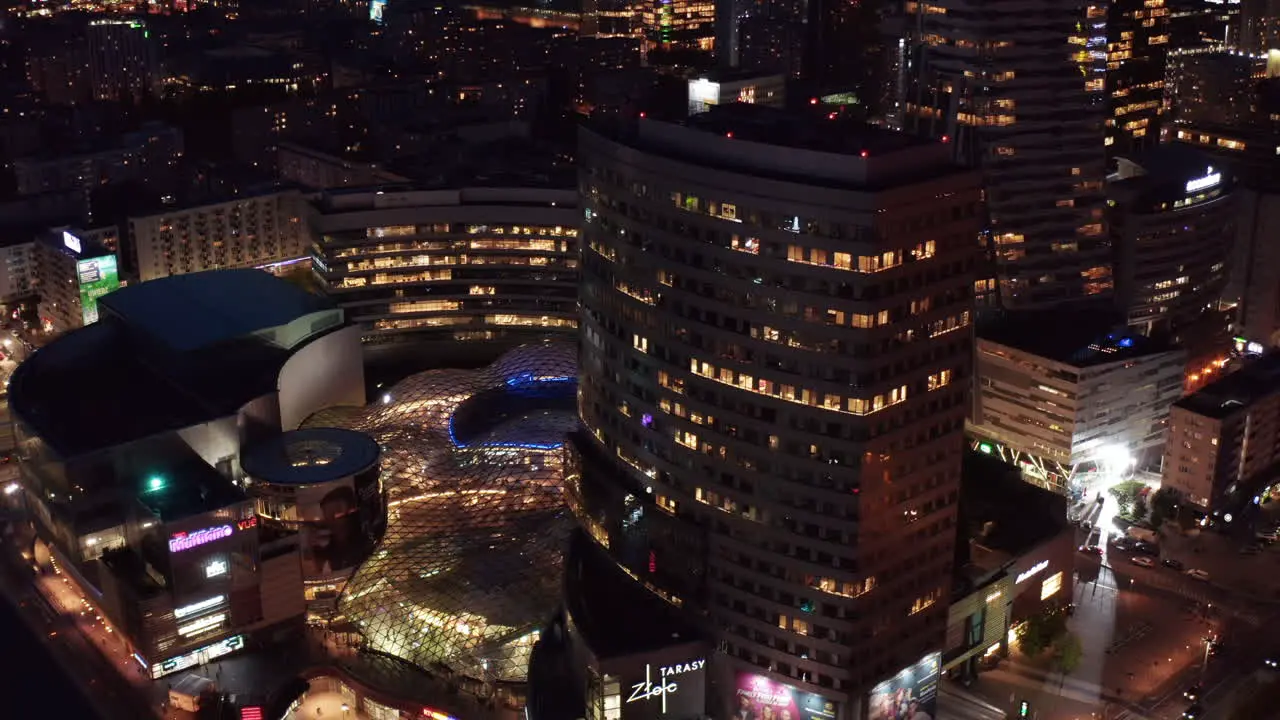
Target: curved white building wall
325 372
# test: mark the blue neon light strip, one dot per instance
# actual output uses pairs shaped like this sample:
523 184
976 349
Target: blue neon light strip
522 379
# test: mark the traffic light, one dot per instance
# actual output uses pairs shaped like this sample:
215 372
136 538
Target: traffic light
1024 709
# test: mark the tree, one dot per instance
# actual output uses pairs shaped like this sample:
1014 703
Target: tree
1164 505
1067 654
1126 494
1041 631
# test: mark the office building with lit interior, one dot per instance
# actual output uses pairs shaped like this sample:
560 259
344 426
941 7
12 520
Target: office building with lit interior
129 434
489 266
1172 218
776 316
1066 395
469 567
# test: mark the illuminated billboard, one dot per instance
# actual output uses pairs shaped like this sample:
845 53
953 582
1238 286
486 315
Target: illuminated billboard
912 693
759 697
199 656
672 691
97 277
376 10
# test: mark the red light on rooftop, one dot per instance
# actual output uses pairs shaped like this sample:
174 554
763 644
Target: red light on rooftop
728 134
642 114
832 116
946 138
813 101
864 153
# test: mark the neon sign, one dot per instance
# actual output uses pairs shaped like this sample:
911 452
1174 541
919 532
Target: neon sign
1210 179
194 608
1038 567
198 656
186 541
666 685
72 242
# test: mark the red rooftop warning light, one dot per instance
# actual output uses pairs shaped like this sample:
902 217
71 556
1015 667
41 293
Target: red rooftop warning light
864 153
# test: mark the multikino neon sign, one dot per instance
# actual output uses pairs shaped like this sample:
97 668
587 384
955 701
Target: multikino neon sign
186 541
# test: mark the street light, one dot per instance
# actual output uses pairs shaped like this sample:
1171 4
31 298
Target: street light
345 708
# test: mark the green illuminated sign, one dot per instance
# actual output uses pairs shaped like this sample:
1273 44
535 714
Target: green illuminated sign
98 276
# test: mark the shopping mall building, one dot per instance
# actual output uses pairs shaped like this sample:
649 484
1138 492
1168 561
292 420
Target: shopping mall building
130 432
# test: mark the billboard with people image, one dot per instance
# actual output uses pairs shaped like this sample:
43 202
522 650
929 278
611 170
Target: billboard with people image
912 694
759 698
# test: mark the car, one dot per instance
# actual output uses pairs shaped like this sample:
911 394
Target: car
1272 662
1142 561
1147 548
1196 574
1193 693
1172 563
1193 712
1091 550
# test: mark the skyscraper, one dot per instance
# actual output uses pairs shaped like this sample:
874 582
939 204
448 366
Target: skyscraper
1011 86
1138 33
122 62
774 377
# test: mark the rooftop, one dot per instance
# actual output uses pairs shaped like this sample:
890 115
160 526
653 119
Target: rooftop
802 131
182 484
159 361
1003 516
310 456
1077 337
1236 391
199 310
802 147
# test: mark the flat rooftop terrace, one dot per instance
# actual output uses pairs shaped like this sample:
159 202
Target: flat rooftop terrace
1236 391
1078 337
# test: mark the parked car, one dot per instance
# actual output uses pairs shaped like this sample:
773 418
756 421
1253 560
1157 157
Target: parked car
1142 561
1172 563
1193 693
1193 713
1147 548
1196 574
1091 550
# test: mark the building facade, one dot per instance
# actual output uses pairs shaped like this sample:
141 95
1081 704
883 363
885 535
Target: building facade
490 264
244 232
1001 84
1066 406
129 434
1138 34
73 269
763 360
1224 440
1172 218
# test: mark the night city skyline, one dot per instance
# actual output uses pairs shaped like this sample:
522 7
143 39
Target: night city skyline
640 359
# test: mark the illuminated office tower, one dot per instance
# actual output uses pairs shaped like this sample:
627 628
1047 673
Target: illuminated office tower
775 368
122 60
662 24
1006 86
1137 47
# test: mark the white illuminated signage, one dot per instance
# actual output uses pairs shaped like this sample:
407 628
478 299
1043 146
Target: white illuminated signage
993 596
703 90
194 608
199 656
1210 179
215 568
666 683
1038 567
203 624
72 242
186 541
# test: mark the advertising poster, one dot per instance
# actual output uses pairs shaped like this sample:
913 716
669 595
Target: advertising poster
911 694
329 522
97 276
759 698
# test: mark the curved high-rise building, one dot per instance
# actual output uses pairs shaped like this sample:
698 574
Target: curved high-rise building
775 359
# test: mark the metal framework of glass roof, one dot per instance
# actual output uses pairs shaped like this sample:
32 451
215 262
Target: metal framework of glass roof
470 565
